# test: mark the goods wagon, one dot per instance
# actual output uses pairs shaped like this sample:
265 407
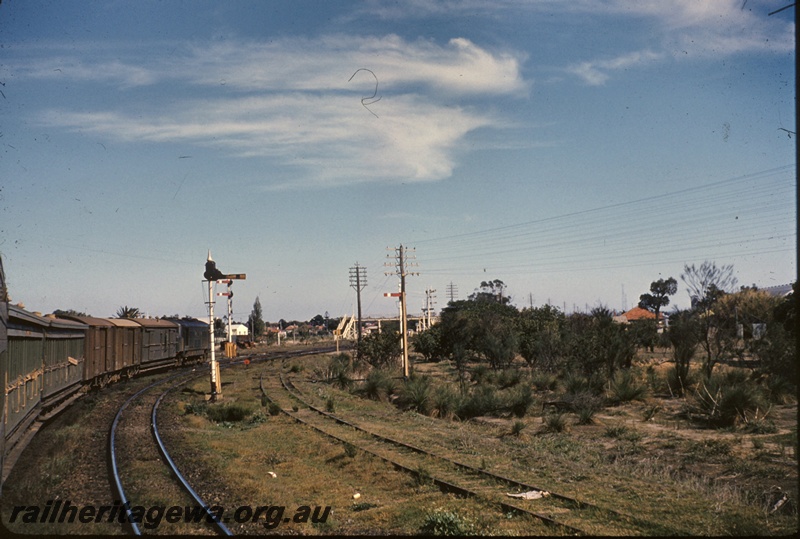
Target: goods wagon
44 366
63 360
193 339
126 348
159 342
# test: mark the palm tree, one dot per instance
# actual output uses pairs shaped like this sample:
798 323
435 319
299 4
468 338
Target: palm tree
128 312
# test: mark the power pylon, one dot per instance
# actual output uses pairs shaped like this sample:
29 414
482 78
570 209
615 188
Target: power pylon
452 291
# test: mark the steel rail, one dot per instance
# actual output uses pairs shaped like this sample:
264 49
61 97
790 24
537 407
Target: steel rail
622 517
113 452
443 485
221 528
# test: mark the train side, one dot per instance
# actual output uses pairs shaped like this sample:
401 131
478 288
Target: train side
43 367
47 362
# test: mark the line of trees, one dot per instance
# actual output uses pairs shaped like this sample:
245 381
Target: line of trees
719 326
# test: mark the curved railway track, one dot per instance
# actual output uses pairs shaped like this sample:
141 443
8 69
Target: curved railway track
145 479
565 514
156 450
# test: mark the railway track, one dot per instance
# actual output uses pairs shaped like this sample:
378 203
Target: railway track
560 513
143 463
138 461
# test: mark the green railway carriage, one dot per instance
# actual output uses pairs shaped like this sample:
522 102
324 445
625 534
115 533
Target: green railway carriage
159 342
63 359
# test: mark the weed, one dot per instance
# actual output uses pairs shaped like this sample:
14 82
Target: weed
448 523
710 448
257 418
195 408
555 423
616 431
517 428
295 368
274 408
227 413
350 450
650 412
330 405
363 506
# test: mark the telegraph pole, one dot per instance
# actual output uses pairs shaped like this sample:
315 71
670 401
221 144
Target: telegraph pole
401 264
429 303
358 280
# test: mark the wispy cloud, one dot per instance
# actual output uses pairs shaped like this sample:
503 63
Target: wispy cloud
597 72
292 101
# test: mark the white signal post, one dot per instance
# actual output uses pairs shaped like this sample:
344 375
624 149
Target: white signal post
213 275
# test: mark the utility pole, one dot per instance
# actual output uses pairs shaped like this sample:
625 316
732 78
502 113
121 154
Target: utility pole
429 303
358 280
452 291
401 263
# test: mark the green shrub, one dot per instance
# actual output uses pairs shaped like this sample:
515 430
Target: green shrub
447 523
508 378
585 404
330 405
233 412
625 387
544 381
274 409
726 400
444 402
350 450
378 385
195 408
679 384
483 400
416 394
520 400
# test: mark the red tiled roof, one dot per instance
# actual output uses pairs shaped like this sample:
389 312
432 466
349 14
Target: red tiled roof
637 313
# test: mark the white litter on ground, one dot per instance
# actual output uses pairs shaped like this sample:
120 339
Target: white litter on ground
531 495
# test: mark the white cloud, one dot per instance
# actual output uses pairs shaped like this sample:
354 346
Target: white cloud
291 104
597 72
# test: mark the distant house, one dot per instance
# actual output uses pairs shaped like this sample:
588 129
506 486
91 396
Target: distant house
780 291
239 330
638 313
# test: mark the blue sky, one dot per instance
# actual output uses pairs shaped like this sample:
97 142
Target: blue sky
576 150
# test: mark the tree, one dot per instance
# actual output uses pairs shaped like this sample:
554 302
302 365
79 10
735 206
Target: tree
660 291
255 320
128 312
380 349
540 337
68 312
706 285
491 291
428 343
684 335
